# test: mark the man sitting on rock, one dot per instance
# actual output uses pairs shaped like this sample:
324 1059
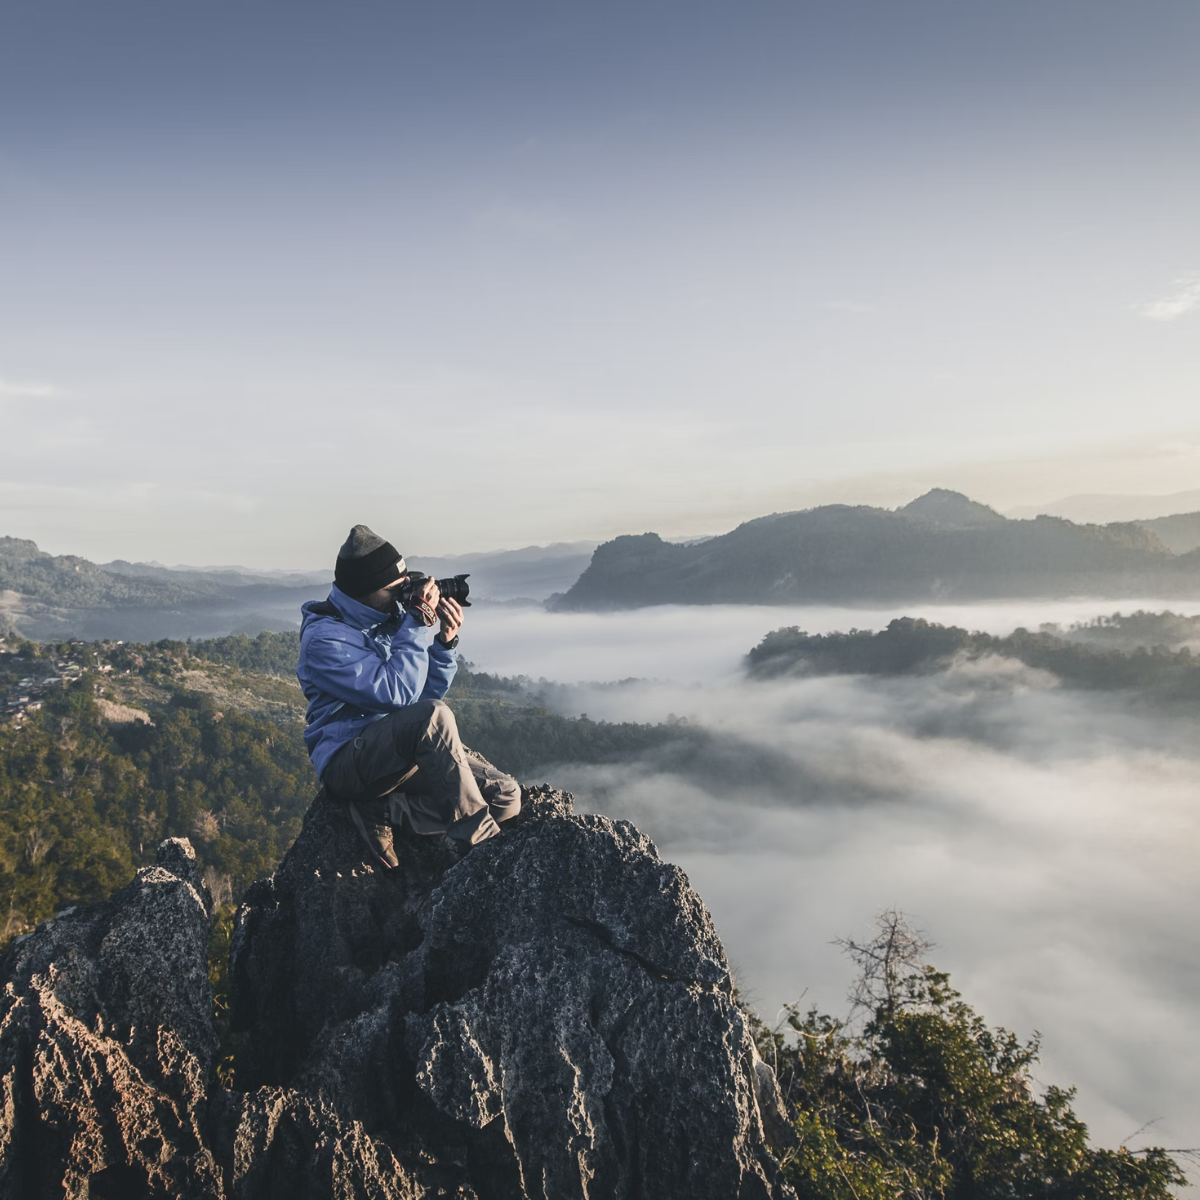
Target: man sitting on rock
379 734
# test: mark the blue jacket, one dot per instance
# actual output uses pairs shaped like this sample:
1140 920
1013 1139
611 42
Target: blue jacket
361 665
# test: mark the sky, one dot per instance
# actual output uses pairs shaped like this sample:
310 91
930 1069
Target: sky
490 275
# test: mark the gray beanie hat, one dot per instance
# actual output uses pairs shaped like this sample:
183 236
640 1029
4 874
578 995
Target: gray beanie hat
366 562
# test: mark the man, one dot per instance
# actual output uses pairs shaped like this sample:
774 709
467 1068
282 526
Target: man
379 734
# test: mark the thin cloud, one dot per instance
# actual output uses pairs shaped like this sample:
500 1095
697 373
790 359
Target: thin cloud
1183 299
30 389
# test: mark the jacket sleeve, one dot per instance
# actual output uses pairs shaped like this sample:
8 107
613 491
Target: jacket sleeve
443 664
346 664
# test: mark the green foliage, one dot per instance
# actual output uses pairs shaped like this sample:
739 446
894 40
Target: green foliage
911 646
218 979
13 643
84 802
1127 631
268 653
914 1096
522 740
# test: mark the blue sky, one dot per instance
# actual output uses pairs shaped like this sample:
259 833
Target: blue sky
487 275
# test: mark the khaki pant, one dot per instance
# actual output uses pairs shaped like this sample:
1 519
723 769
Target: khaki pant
414 756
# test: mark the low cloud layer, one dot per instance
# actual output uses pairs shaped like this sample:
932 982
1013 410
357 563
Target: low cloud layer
1044 839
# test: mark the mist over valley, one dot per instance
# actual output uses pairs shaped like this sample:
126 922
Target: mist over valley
1044 835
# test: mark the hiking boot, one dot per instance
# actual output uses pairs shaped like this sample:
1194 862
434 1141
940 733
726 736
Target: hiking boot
370 818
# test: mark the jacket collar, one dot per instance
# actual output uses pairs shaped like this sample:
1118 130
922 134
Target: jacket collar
361 616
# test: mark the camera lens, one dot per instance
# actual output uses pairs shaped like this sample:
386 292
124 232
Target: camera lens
456 588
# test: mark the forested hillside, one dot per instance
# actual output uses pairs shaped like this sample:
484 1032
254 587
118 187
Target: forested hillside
1180 532
203 740
66 580
1084 659
57 597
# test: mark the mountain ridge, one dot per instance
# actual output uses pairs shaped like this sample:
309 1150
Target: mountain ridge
942 546
1105 507
55 597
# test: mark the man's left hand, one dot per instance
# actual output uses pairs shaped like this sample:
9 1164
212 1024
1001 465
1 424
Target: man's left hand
451 614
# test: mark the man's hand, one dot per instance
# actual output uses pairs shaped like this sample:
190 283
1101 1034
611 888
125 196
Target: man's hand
423 606
452 618
430 593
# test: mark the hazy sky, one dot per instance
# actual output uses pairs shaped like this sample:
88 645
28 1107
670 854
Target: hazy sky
484 275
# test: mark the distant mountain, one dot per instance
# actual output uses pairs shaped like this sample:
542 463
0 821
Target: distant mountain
65 580
1174 518
531 573
951 510
47 596
941 546
1100 508
1179 533
222 576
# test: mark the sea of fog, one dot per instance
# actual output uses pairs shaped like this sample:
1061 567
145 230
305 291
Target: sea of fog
1044 840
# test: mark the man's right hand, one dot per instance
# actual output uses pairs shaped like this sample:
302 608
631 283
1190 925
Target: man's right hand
423 606
431 594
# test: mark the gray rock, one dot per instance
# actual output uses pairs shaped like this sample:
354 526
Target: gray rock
551 1016
771 1105
276 1142
106 1049
106 1039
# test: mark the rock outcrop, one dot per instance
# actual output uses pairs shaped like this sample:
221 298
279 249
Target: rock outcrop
106 1050
106 1044
552 1016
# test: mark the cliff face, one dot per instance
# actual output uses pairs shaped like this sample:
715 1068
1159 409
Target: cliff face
550 1017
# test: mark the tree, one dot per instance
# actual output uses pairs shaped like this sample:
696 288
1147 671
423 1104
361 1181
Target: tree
912 1095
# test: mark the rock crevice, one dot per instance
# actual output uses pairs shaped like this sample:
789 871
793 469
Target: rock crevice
605 935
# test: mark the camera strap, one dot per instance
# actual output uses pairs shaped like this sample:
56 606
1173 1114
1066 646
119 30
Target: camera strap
422 610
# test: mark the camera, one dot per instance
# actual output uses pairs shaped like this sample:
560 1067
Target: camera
453 588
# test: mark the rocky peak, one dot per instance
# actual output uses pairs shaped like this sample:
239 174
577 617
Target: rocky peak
552 1016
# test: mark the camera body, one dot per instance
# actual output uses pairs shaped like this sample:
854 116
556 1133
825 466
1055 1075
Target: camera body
453 588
